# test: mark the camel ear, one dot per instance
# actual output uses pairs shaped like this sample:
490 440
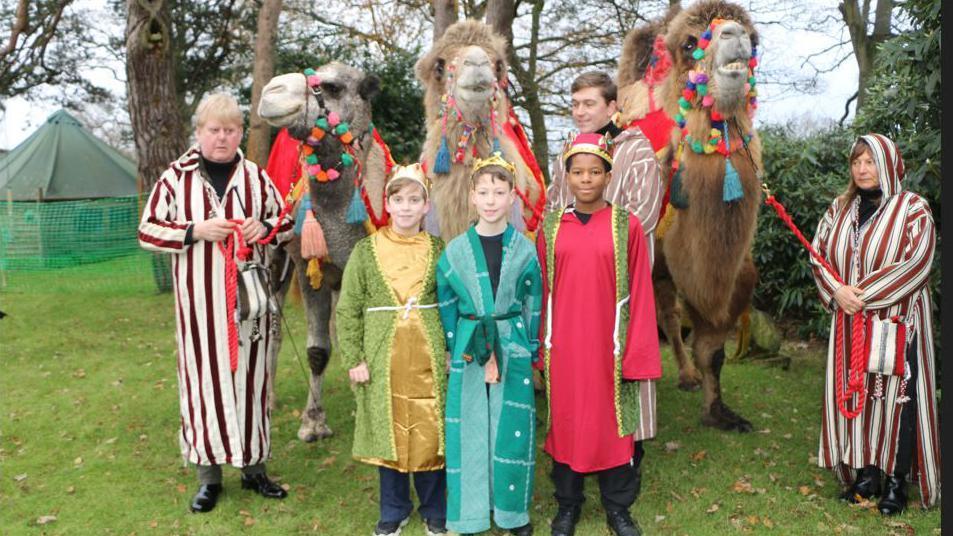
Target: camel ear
369 87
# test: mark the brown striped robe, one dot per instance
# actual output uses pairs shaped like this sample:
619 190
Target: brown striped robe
896 251
224 416
635 185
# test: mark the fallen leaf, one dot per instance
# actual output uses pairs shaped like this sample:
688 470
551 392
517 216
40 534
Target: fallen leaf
804 490
71 490
659 519
249 521
153 524
296 413
286 487
43 520
753 520
742 485
697 492
20 478
712 509
180 488
699 456
328 462
79 373
111 440
245 513
768 523
78 461
672 446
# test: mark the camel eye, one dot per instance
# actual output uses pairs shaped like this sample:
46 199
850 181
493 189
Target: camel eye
499 69
439 67
690 43
331 88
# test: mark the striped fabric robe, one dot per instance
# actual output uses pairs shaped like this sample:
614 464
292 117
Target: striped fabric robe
636 183
224 416
896 247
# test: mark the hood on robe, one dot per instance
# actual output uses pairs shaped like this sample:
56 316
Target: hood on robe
886 155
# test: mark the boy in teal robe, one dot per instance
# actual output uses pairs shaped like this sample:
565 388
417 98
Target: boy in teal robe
489 286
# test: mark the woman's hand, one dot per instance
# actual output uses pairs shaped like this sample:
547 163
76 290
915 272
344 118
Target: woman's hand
252 230
848 298
213 230
360 374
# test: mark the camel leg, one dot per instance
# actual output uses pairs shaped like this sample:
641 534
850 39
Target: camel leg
281 281
669 314
317 305
709 351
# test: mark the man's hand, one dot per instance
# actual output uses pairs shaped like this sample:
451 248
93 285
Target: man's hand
252 230
360 374
848 298
213 230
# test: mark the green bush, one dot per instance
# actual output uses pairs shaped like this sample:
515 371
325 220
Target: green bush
804 173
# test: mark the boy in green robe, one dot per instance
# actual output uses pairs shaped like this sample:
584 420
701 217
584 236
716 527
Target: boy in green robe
392 343
490 290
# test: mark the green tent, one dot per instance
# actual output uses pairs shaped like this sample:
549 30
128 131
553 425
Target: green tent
67 198
63 161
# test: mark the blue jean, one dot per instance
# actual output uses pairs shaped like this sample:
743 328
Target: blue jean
431 487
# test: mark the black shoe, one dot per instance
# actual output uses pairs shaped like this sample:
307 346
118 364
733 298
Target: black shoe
525 530
622 523
390 528
206 498
865 486
266 488
435 527
894 500
564 524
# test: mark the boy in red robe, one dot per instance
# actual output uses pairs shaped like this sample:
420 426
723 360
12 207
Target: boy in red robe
599 334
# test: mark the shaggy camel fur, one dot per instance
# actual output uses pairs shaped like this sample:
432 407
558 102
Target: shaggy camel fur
705 247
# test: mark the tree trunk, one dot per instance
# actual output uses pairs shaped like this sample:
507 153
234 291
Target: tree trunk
259 132
499 16
445 14
864 45
153 102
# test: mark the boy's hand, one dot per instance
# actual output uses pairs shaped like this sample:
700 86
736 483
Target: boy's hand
360 374
491 371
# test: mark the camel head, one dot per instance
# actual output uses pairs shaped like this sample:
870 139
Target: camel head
714 39
288 101
468 65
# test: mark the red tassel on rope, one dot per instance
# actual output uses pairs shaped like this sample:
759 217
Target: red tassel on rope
313 244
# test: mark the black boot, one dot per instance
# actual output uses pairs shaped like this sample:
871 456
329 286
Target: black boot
525 530
564 524
266 488
865 486
622 523
206 498
894 500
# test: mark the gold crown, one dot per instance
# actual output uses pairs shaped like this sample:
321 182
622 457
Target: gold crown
412 172
495 159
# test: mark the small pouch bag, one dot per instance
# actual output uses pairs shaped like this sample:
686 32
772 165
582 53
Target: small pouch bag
253 291
886 345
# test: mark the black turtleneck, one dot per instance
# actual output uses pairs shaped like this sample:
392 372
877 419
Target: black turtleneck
218 173
869 202
610 129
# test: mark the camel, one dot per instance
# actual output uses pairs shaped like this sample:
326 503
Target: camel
704 240
464 76
288 101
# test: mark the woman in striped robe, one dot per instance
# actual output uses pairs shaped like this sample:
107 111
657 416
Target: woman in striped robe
880 240
191 211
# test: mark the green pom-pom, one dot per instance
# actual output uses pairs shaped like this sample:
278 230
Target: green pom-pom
752 81
683 103
698 54
322 123
679 118
309 71
340 129
312 159
702 89
698 147
347 160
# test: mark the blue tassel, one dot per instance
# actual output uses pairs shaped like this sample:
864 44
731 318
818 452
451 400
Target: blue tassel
441 163
732 190
356 211
496 146
677 197
303 206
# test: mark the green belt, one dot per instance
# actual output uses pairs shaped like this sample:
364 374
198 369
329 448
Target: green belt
485 336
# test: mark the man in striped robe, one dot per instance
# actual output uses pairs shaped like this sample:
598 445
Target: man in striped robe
190 213
880 240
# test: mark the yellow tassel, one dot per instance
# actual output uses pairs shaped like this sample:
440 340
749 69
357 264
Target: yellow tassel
314 273
667 220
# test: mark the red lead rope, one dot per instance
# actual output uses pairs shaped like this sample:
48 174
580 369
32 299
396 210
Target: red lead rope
858 365
231 277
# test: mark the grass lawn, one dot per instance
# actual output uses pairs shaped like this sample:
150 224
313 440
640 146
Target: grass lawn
89 426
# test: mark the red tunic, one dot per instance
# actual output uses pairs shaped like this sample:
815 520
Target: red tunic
584 433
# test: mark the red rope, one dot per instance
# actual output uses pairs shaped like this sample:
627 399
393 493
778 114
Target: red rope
858 357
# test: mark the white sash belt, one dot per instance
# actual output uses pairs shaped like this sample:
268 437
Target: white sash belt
411 304
616 345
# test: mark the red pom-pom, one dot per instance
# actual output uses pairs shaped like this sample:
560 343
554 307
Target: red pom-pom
715 116
753 62
703 43
688 94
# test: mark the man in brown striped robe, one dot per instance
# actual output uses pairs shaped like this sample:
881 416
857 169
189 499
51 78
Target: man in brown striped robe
880 239
224 412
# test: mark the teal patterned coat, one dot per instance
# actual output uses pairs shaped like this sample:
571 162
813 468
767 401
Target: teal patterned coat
500 426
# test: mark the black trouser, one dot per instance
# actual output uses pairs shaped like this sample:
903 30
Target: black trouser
907 435
431 487
618 486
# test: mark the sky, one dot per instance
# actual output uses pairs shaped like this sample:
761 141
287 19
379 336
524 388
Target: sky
783 54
